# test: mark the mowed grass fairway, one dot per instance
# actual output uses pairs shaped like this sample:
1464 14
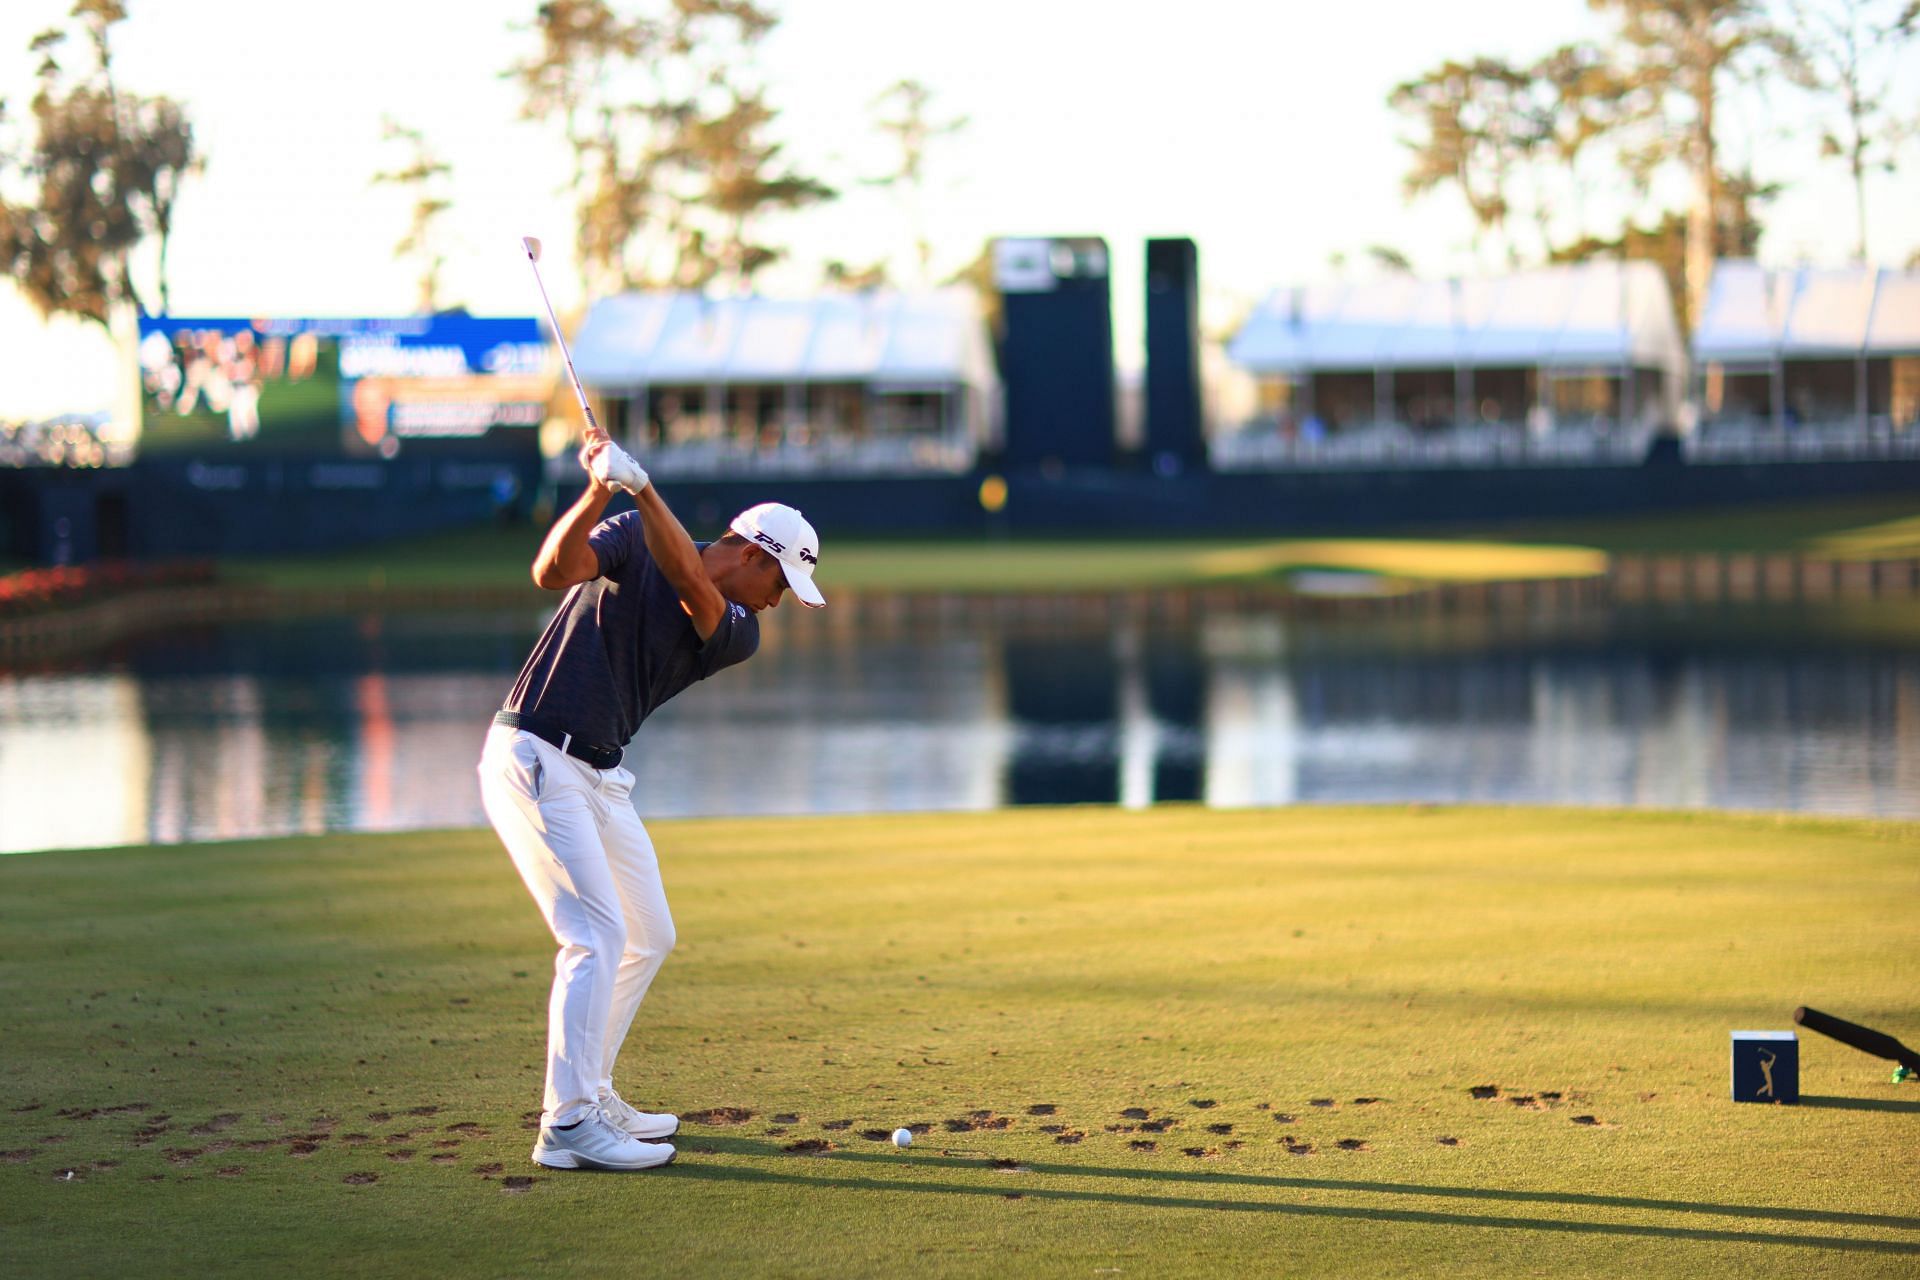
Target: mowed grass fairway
1174 1042
494 559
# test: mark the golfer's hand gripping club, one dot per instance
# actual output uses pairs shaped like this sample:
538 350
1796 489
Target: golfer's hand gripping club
611 465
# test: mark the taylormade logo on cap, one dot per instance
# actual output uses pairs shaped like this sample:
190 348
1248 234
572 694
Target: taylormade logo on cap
785 533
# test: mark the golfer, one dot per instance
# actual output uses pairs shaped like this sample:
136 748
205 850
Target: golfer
648 611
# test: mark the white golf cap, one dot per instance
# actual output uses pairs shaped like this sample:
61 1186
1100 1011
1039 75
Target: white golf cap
779 529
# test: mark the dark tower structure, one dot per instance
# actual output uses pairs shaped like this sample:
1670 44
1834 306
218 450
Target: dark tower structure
1175 440
1056 354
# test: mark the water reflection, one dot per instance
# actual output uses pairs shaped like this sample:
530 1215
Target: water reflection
373 723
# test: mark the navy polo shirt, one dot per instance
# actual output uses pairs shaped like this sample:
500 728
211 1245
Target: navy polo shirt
622 644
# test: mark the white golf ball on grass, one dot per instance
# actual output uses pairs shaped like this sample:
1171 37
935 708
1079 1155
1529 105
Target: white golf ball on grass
903 1137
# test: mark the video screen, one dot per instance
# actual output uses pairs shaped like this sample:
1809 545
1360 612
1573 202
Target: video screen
365 387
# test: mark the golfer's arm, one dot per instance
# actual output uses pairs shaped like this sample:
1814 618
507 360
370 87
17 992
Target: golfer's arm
566 558
673 550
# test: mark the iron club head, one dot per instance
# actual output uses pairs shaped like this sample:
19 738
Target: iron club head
532 245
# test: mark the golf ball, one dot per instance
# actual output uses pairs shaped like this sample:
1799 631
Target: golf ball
903 1137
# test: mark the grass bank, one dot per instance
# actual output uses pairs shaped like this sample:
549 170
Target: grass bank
1177 1042
496 559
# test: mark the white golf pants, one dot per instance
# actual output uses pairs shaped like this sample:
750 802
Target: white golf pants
589 864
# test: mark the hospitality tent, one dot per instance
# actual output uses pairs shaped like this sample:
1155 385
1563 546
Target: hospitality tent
859 381
1804 346
1593 342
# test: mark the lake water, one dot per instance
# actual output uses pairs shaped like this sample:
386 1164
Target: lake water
373 723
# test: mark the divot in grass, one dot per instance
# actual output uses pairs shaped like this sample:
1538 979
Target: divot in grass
809 1147
719 1116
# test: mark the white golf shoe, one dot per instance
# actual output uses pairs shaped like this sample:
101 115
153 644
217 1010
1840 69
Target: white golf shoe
645 1125
595 1143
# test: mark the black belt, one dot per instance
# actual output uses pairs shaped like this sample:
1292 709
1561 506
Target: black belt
598 757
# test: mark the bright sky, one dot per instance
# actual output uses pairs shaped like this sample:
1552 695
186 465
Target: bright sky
1262 131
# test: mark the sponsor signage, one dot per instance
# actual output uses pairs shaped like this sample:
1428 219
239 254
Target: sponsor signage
365 386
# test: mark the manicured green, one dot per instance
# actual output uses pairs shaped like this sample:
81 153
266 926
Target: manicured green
496 560
259 1022
1868 527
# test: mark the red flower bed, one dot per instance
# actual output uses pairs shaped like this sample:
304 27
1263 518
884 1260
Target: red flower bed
62 586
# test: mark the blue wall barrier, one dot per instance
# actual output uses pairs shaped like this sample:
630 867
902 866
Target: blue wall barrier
189 507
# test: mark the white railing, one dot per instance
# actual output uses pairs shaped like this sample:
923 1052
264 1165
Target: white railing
1259 447
1760 440
729 457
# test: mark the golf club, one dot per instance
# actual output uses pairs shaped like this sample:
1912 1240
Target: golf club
1865 1039
532 245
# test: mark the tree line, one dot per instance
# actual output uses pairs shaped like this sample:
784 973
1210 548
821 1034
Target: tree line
1528 145
679 176
676 168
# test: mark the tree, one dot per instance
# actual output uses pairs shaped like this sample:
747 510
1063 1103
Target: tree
1390 259
427 174
735 180
912 129
1847 50
1479 129
1681 52
845 275
1665 243
1583 99
673 166
99 179
583 44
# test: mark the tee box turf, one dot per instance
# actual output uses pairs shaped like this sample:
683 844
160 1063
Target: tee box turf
1766 1066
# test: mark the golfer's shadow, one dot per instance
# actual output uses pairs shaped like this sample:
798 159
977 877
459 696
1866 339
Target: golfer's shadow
1027 1187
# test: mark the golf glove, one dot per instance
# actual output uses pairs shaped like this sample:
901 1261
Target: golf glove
615 467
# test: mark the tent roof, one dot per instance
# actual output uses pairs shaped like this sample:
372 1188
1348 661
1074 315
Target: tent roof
1596 313
1754 314
643 339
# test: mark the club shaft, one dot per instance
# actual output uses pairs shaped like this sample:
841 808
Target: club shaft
560 338
1865 1039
